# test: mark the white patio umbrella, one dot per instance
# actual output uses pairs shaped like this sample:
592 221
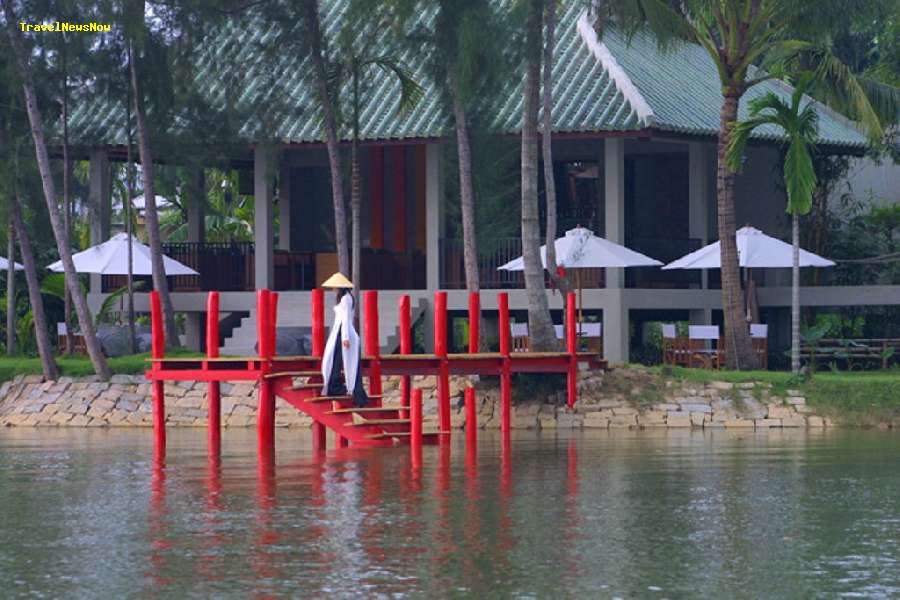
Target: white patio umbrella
111 258
4 265
755 250
581 249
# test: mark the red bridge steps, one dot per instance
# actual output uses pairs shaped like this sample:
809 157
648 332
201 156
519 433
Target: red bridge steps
363 426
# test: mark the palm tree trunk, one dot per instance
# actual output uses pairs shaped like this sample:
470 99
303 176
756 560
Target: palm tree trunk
67 201
152 217
329 123
547 148
739 353
45 348
540 326
43 161
129 230
11 291
795 294
355 191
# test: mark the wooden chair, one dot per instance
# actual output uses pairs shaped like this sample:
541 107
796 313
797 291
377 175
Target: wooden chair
519 334
676 349
703 341
80 347
759 338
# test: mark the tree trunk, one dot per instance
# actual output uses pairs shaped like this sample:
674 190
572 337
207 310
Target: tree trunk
329 124
466 193
151 216
45 348
819 209
43 161
540 326
129 230
67 202
739 352
11 290
355 193
562 284
795 294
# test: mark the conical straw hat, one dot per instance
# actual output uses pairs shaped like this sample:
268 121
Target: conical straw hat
337 281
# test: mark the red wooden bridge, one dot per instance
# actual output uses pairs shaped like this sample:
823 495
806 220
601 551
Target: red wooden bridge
298 380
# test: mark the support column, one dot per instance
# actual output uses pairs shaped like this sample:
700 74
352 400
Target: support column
100 204
615 313
284 207
263 234
193 330
433 217
196 208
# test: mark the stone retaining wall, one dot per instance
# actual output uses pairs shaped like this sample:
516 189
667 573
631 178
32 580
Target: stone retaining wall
624 398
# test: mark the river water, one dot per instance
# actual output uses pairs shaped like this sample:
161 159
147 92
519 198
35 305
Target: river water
89 514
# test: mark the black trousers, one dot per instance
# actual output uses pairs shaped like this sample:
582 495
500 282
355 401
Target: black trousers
336 380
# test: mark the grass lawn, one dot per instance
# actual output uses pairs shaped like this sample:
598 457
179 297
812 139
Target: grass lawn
79 366
858 397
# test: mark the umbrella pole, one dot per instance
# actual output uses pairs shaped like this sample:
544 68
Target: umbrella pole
580 299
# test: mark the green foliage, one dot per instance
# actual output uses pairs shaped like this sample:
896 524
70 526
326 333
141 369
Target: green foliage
108 308
800 126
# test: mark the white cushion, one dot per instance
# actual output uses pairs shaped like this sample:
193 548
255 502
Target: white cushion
519 329
759 330
703 332
668 330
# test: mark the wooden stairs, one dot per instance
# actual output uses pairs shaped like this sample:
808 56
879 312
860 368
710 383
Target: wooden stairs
363 426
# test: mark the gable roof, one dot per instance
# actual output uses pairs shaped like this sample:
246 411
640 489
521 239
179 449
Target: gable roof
611 84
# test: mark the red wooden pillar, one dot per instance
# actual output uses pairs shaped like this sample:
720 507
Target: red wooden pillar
415 438
572 349
265 412
213 398
317 300
471 419
474 321
158 351
505 371
405 348
273 324
372 347
440 350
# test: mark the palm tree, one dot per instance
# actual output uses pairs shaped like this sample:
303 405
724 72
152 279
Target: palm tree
45 348
355 66
547 145
11 289
748 41
151 214
326 98
799 122
101 368
540 326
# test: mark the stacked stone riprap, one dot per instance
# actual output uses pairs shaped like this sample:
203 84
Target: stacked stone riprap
620 399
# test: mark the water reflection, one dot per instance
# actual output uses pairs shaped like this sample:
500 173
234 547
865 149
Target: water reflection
594 514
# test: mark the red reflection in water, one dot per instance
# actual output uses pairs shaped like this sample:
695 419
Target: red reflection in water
266 535
156 521
571 522
506 527
445 545
213 538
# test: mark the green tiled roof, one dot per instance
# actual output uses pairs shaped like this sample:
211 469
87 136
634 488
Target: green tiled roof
639 88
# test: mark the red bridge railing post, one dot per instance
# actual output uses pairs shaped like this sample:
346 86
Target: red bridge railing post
505 371
213 398
265 413
317 305
440 351
415 438
572 349
158 352
372 347
474 321
405 348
